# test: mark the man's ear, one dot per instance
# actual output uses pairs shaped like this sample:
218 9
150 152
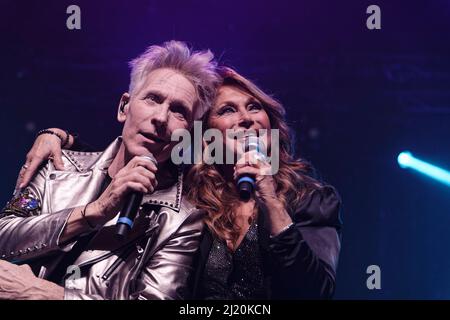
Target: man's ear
124 105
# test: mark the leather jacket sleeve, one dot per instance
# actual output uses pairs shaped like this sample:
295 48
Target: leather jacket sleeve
306 255
25 231
164 275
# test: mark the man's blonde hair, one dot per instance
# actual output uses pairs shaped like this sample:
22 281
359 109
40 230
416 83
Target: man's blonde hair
197 66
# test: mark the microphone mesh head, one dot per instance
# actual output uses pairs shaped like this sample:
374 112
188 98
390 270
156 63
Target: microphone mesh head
254 142
251 143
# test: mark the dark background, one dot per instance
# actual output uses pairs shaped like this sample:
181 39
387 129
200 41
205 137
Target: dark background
355 97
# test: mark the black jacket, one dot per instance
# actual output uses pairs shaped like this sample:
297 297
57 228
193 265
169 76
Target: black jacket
301 262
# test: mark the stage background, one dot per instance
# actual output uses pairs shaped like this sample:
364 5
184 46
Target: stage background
355 98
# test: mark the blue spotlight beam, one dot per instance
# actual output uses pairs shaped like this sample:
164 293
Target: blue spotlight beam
406 160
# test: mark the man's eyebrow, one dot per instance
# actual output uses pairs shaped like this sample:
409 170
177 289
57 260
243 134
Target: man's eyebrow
182 104
153 91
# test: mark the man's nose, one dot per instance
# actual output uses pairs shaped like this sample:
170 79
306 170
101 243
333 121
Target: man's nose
160 118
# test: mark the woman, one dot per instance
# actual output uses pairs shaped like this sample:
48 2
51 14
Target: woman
283 242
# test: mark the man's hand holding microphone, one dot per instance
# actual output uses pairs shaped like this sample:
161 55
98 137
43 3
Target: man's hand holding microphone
124 194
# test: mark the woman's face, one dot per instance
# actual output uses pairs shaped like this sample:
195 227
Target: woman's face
237 111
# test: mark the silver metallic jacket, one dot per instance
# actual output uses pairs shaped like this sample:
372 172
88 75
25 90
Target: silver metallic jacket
153 263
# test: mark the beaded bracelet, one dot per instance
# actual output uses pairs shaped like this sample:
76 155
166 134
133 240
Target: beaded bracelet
66 141
46 131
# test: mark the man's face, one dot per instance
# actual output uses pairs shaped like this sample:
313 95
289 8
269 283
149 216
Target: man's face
163 103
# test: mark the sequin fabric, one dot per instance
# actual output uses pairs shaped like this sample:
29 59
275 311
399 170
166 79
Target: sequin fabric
24 204
237 275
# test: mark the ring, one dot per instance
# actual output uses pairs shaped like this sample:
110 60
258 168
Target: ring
25 166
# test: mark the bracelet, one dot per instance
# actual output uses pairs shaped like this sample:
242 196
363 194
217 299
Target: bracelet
66 141
282 230
46 131
83 214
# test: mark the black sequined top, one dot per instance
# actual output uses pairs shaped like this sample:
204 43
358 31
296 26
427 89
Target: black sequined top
235 275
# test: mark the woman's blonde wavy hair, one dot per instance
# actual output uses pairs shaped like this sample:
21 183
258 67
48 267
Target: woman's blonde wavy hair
208 189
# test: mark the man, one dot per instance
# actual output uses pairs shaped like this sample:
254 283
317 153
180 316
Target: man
65 219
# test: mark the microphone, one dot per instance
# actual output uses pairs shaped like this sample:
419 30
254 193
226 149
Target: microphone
130 209
246 183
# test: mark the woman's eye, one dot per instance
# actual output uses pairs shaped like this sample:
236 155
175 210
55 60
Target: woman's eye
226 109
254 106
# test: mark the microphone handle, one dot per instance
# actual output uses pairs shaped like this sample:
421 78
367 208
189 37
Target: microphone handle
128 213
246 184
